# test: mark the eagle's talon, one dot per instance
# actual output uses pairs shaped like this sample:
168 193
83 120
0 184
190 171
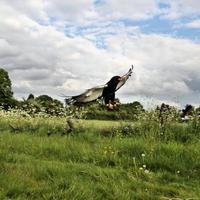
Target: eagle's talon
110 106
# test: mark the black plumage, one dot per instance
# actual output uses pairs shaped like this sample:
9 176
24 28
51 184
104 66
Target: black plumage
109 91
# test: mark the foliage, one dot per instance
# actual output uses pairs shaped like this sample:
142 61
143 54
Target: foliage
96 110
30 97
6 94
188 110
42 104
49 105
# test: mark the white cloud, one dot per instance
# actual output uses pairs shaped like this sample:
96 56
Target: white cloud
193 24
78 11
125 9
33 9
42 59
180 8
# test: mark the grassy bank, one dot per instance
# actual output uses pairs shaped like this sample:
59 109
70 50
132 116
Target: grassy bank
97 160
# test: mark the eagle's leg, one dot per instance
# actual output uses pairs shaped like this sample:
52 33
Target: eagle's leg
110 101
115 103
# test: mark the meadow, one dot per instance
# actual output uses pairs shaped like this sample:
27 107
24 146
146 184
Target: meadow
42 158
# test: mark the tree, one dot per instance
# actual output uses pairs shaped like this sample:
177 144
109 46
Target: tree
30 97
6 94
198 110
49 105
187 111
44 98
137 105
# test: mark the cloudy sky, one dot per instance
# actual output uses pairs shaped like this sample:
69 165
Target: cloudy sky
59 47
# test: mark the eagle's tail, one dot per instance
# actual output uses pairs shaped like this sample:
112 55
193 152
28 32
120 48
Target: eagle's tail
69 100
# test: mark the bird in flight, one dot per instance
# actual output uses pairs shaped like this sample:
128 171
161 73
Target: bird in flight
105 92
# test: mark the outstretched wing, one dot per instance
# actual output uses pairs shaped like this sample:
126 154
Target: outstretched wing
88 96
124 78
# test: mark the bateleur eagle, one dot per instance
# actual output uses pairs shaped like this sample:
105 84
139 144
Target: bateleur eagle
107 91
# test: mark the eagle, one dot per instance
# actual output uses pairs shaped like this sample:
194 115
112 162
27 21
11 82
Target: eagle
105 92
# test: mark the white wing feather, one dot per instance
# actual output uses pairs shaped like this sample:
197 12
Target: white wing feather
90 94
124 78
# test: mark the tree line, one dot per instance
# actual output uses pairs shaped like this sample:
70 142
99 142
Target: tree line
96 110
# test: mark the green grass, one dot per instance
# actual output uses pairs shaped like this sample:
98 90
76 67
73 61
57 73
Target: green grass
98 160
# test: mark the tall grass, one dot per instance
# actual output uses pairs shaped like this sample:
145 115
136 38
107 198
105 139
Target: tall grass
40 159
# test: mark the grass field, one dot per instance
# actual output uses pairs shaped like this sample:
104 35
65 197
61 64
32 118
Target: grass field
39 159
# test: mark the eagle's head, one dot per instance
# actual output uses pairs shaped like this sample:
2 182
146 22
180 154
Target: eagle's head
114 81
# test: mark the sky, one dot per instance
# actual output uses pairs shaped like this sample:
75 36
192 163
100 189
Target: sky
58 47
